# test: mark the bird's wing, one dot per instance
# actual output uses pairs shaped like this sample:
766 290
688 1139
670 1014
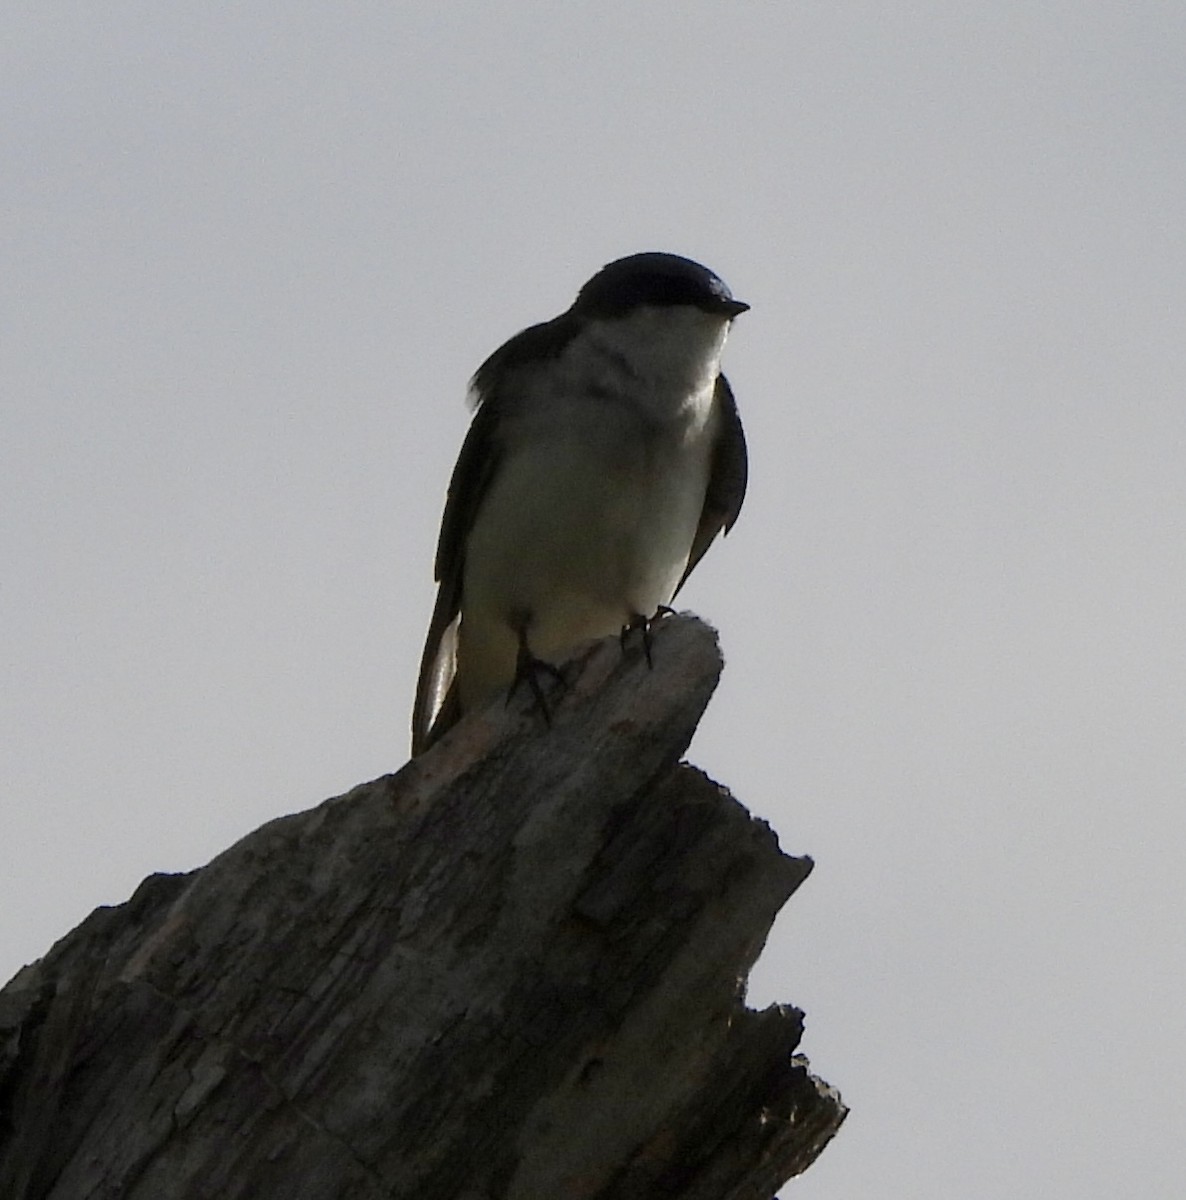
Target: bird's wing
726 480
437 707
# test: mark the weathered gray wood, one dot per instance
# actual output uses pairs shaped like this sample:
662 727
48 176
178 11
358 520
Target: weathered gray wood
512 970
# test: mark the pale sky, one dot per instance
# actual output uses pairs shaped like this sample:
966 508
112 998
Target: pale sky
251 255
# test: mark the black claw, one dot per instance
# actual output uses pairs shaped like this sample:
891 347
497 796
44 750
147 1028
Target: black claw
528 669
643 625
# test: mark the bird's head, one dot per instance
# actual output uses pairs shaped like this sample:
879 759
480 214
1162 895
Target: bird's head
666 315
655 280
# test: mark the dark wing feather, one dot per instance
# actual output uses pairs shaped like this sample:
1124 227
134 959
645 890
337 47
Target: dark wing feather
471 476
437 708
726 481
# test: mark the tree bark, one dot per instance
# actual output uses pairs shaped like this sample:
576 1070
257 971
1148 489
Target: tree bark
513 970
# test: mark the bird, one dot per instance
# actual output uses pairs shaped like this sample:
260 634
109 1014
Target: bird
604 456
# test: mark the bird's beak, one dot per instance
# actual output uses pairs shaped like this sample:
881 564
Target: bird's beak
733 308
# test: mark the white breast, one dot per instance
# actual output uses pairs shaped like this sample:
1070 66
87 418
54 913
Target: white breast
590 518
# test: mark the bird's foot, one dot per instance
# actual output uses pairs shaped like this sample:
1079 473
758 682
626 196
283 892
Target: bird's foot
643 625
528 670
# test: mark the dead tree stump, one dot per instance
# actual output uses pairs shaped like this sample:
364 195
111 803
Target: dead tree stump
513 970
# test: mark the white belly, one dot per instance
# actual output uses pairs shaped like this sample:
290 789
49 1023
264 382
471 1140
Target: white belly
586 527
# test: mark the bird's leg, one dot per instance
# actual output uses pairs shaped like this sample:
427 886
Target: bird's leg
643 625
528 669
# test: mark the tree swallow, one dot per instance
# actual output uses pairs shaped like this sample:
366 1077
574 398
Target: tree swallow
604 456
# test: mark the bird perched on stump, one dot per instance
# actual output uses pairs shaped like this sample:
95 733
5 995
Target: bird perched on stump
604 457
